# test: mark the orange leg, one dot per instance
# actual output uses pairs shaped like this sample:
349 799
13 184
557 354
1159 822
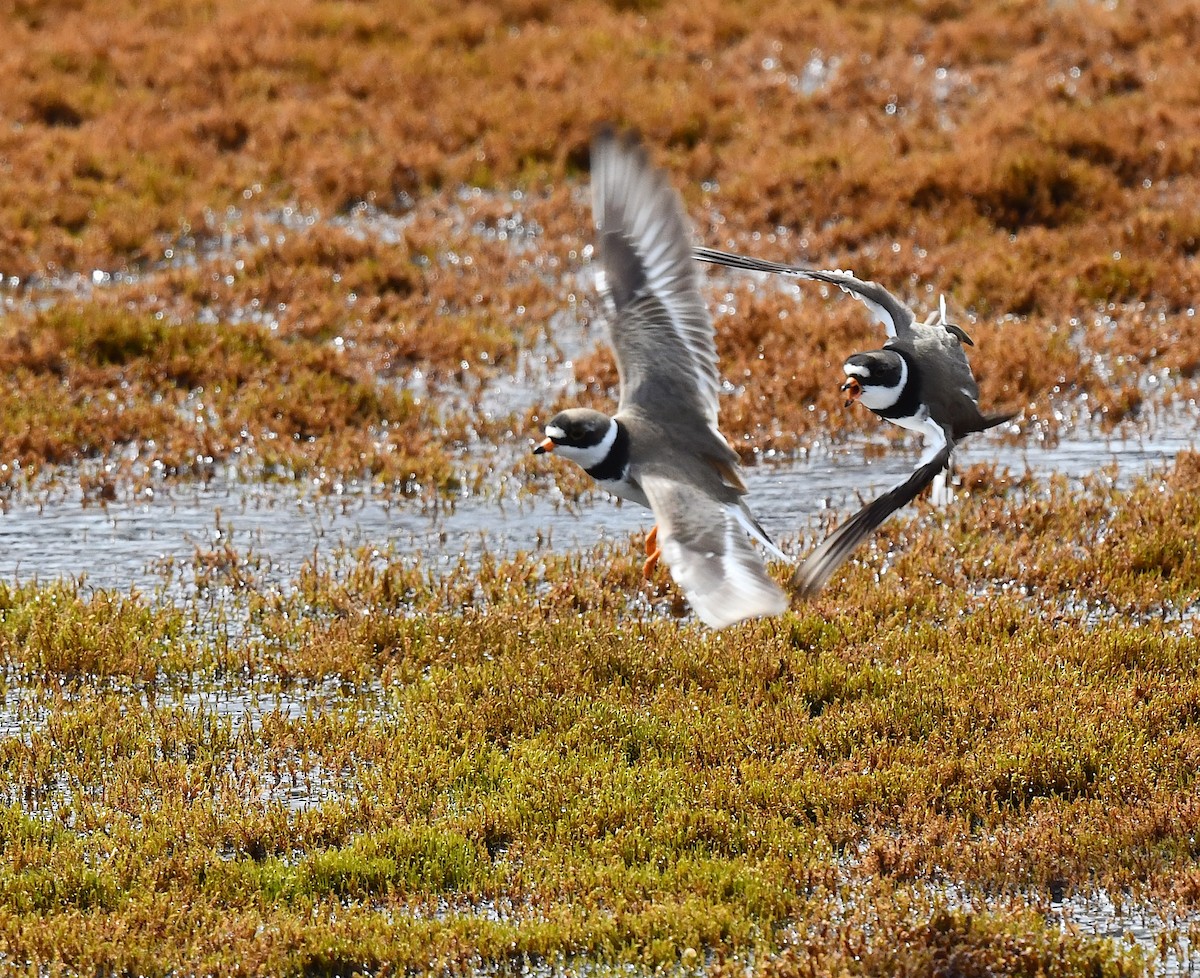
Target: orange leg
653 552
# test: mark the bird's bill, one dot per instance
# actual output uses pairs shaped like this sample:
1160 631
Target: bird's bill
545 446
853 390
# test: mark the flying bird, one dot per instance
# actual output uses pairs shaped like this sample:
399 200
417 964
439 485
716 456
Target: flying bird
919 380
662 449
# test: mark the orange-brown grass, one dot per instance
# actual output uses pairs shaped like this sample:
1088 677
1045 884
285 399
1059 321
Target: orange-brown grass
527 759
1035 163
1095 547
79 380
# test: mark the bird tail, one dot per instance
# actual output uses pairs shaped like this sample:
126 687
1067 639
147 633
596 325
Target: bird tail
991 420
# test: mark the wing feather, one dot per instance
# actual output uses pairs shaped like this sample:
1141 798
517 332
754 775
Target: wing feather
704 543
660 327
820 565
895 317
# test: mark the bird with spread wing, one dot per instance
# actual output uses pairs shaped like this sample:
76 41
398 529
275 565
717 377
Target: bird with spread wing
919 380
662 448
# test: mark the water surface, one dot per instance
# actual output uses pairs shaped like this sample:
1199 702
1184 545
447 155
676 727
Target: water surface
127 543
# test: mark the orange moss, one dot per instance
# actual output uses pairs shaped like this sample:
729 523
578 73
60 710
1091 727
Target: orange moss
1034 163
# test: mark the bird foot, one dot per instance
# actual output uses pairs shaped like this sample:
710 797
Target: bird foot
653 552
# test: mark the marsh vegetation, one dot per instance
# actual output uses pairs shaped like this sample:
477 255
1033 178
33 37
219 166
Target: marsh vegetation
343 246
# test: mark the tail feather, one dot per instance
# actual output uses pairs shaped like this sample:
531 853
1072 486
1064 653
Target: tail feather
754 528
991 420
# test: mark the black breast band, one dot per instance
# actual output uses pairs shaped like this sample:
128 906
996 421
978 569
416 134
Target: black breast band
615 464
909 403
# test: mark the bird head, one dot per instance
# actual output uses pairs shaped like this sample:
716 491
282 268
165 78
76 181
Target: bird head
876 379
579 434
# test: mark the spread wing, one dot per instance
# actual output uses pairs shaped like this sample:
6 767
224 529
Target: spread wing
705 543
893 314
661 331
820 565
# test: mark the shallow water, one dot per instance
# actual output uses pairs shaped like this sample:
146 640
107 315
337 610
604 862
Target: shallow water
133 542
1166 938
1164 935
278 527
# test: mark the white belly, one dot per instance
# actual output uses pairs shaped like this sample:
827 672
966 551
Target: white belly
625 489
935 438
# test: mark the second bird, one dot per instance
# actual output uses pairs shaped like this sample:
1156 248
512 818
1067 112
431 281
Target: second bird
920 380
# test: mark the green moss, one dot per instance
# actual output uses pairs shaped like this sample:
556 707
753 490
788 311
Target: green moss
516 764
53 631
507 761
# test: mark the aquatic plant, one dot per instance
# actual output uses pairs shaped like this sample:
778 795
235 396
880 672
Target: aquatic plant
364 248
520 761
